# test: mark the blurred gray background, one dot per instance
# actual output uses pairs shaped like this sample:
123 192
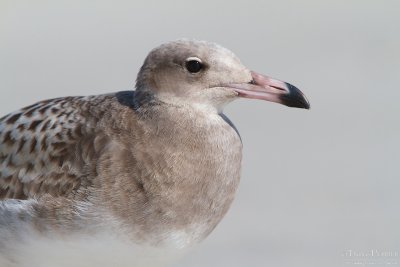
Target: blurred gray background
318 186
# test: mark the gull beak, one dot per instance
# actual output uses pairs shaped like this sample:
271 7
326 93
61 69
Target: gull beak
266 88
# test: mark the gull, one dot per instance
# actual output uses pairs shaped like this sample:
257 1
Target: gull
128 178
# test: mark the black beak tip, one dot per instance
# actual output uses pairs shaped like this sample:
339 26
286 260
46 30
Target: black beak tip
295 98
307 105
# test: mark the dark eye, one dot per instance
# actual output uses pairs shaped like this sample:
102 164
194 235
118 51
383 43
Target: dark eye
193 65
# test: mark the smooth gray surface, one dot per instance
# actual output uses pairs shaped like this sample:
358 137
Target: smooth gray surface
315 183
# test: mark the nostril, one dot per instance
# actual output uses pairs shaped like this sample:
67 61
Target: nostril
279 88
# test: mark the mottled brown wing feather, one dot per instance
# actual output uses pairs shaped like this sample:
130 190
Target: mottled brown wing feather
44 149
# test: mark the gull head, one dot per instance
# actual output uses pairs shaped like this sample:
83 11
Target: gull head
190 72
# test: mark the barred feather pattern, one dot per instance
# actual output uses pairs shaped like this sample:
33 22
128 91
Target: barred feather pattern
39 147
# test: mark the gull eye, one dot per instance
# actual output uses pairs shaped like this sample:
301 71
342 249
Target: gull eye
193 65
